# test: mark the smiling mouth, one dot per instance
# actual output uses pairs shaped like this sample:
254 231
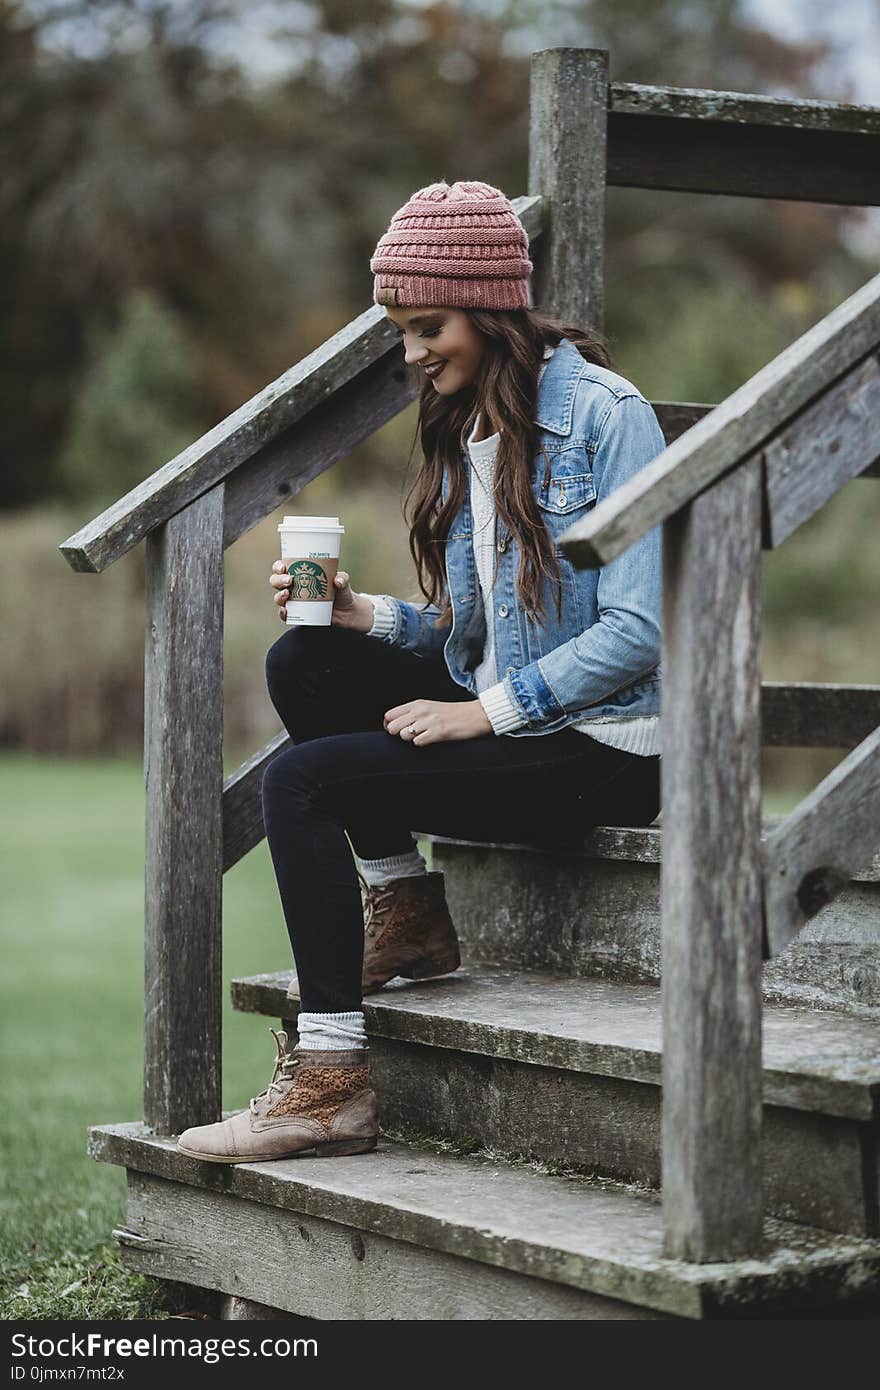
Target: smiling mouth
434 370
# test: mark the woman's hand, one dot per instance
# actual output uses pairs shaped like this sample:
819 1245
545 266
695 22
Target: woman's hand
349 609
437 721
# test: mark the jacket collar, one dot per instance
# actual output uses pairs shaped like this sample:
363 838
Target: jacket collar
556 389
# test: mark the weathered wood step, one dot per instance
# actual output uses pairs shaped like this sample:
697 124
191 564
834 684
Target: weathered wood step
569 1069
405 1233
632 844
813 1060
592 907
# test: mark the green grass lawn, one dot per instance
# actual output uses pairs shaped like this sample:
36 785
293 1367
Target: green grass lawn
71 1000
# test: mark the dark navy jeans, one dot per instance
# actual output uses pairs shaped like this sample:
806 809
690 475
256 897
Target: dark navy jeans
346 783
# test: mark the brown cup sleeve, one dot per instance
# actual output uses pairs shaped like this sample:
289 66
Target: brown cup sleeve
311 579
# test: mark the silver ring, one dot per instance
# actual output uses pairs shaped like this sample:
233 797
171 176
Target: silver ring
410 728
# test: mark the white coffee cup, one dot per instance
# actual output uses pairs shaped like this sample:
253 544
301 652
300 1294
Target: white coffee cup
310 552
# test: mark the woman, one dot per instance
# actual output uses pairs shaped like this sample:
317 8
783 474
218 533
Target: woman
521 702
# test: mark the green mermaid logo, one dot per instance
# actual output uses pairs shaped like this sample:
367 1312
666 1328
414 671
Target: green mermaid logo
309 580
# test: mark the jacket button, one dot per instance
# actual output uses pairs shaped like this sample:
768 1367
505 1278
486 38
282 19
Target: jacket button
562 499
503 610
502 545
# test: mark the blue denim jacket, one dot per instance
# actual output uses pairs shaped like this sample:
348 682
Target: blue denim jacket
602 660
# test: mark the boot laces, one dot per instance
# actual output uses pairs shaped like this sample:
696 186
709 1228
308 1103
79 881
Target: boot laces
376 902
282 1071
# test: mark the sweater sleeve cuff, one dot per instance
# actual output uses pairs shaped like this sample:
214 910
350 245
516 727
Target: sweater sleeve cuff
383 615
501 711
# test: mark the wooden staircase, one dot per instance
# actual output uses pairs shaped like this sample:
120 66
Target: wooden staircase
529 1100
523 1100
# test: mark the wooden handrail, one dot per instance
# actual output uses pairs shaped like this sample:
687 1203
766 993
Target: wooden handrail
697 141
251 431
742 108
736 430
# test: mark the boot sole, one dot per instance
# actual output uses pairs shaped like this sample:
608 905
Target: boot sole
332 1149
416 970
421 969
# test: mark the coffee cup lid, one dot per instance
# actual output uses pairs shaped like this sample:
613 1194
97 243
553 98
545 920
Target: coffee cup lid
311 523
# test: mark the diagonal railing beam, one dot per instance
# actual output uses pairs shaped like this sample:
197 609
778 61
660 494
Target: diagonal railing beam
731 433
242 802
335 366
825 447
813 854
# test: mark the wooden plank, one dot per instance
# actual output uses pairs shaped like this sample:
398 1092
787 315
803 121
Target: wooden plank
711 874
341 361
705 141
568 104
183 762
813 854
321 1270
829 443
599 1238
743 160
283 467
677 416
805 715
610 843
231 442
732 432
813 1060
242 802
743 108
235 1309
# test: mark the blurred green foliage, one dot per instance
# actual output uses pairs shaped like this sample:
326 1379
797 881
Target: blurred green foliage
136 405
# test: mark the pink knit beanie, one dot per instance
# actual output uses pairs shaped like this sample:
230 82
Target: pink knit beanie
460 245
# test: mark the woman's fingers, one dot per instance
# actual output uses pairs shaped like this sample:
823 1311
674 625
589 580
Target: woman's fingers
280 582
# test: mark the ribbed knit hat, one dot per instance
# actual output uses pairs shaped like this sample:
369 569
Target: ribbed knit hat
460 245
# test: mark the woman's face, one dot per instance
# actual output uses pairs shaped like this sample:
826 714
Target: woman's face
442 337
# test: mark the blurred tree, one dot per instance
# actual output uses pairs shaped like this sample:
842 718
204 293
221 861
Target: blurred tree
141 150
136 407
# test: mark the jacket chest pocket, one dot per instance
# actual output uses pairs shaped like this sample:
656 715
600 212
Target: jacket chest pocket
565 493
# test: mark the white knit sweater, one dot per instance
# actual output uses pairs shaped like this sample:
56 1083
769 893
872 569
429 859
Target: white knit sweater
640 735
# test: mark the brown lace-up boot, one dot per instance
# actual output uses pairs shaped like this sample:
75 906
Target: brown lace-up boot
317 1103
407 931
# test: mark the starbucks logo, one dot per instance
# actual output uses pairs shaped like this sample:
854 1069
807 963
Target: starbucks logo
309 580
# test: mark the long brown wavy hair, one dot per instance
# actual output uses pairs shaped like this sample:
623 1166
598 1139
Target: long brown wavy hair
506 389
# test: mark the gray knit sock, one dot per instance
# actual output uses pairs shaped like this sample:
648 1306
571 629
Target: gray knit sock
331 1032
378 872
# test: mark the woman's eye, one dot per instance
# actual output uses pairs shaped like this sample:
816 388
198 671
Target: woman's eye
431 333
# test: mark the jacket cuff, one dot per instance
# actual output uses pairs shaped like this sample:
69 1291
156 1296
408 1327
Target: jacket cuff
500 710
534 695
383 616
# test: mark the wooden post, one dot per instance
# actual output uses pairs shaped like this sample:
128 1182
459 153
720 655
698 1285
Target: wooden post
711 879
568 114
183 765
